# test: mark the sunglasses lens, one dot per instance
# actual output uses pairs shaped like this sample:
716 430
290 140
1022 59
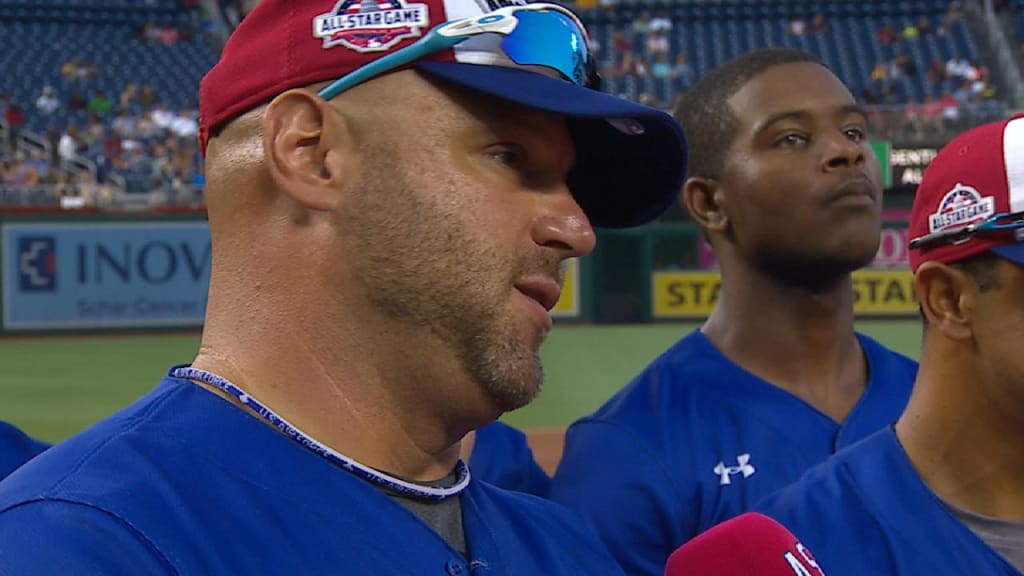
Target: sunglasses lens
552 39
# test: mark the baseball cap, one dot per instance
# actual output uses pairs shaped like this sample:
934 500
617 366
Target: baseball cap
971 198
631 158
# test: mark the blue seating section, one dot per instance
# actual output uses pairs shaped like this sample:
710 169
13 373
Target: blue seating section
50 32
39 37
98 11
47 33
710 33
1018 16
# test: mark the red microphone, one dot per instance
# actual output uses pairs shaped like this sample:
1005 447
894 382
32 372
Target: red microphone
749 544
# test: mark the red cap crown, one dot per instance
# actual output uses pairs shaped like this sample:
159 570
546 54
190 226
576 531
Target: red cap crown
284 44
976 175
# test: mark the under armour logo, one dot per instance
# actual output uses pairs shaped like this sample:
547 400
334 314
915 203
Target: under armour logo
743 467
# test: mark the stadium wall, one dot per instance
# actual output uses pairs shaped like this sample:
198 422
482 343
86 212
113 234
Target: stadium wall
94 272
74 272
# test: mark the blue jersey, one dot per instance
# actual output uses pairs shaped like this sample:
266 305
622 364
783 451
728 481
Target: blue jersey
695 440
501 456
867 511
16 448
183 482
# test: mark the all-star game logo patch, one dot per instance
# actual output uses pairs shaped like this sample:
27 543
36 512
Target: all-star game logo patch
370 25
961 206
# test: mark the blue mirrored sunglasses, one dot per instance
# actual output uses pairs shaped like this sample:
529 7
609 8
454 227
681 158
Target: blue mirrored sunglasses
534 35
994 224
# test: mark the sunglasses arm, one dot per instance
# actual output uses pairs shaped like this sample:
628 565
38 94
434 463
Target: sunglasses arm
429 44
491 23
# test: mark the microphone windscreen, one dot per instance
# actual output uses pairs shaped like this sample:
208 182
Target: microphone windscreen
747 545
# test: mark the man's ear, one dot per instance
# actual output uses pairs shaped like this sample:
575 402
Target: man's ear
706 204
306 144
948 297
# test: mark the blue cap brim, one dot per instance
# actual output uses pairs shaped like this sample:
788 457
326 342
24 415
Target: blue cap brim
622 178
1012 252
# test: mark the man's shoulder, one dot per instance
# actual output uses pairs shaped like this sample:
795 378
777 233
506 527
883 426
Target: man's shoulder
823 492
106 482
502 455
539 528
521 511
826 510
16 448
515 506
693 354
689 371
37 535
139 462
886 362
838 479
867 511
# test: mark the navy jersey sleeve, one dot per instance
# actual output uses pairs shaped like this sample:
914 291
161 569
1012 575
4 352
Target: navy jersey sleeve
502 456
54 537
538 482
16 448
612 478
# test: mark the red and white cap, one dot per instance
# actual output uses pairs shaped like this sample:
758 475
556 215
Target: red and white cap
976 175
630 159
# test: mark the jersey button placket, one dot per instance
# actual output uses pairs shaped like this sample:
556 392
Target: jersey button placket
455 567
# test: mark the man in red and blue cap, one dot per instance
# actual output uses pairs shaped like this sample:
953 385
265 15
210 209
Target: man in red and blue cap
392 188
942 491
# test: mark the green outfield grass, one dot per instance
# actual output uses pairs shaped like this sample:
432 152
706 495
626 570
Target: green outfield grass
53 387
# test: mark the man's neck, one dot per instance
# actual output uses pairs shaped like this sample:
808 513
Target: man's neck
382 391
344 404
798 339
967 448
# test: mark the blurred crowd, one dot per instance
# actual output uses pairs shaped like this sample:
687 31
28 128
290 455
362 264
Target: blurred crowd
82 146
957 90
653 59
133 143
954 90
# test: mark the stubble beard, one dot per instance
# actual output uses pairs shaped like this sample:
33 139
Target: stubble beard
421 267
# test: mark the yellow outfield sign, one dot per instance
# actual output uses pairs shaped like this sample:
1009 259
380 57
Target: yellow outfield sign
693 294
568 305
684 294
884 292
